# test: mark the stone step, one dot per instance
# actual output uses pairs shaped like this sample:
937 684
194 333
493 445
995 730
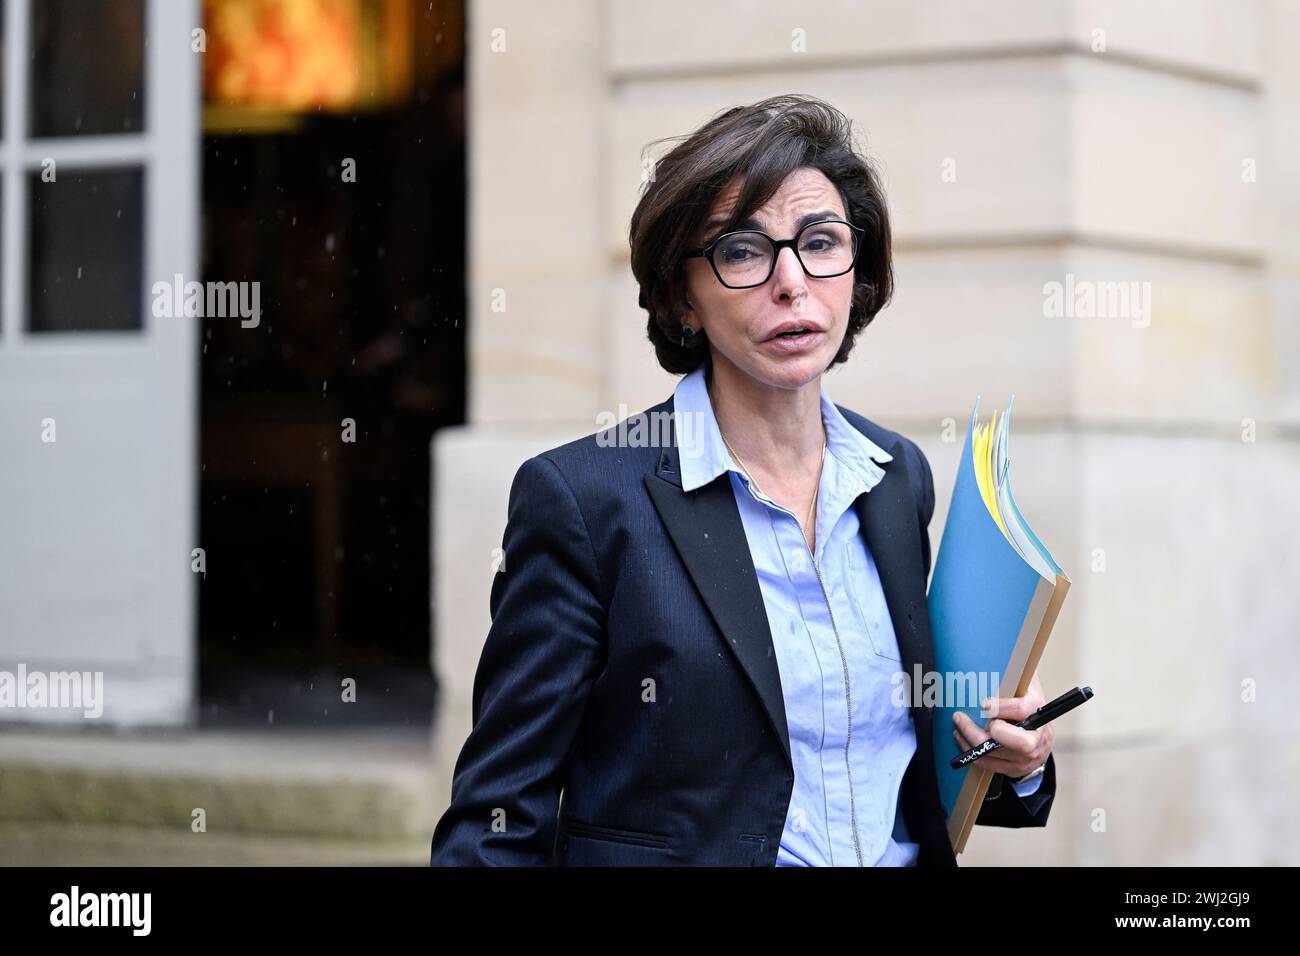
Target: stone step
80 844
371 784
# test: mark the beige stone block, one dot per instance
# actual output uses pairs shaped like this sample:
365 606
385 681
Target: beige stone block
535 100
536 92
1281 134
543 358
1166 802
523 51
1192 605
679 37
1203 351
1160 160
635 378
532 204
1196 36
1177 802
1284 310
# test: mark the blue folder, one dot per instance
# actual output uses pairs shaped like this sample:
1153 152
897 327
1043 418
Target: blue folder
992 605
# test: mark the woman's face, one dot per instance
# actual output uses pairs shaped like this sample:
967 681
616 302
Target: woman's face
743 324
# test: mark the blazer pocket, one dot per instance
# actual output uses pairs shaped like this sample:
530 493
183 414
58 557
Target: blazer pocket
755 845
859 587
592 831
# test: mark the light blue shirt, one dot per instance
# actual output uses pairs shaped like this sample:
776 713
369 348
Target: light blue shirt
834 642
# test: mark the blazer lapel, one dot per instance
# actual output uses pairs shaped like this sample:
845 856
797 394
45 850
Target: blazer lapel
706 529
887 514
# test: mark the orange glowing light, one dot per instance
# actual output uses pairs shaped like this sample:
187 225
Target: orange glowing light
283 54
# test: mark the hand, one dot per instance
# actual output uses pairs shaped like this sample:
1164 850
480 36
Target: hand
1021 750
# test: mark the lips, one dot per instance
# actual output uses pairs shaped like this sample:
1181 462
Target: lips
796 340
792 330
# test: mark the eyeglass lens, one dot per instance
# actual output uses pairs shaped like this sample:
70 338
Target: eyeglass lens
745 258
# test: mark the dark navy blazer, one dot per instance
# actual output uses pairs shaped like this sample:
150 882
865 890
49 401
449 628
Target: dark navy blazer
627 707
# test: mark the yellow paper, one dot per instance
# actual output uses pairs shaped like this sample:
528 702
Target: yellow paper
982 452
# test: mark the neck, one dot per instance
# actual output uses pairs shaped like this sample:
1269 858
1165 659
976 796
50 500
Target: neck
777 431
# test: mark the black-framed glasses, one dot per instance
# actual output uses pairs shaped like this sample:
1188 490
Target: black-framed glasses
747 258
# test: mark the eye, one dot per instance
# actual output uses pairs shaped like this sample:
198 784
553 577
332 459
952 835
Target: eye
740 249
738 253
821 241
827 242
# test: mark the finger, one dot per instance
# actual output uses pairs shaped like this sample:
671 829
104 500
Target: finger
963 742
993 761
1046 738
1023 743
1010 708
968 733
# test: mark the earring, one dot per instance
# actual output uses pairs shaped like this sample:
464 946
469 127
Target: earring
687 331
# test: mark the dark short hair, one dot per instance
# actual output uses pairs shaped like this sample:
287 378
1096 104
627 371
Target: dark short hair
762 143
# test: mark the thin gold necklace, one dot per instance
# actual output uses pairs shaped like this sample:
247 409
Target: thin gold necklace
816 490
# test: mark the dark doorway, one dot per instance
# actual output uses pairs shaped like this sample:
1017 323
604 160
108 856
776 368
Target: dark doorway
316 422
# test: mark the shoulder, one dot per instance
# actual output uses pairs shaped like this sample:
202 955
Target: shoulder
920 478
917 464
608 462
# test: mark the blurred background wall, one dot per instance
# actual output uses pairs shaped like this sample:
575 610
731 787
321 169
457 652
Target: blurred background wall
1023 143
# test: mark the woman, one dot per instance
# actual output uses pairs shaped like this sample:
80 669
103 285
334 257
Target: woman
694 643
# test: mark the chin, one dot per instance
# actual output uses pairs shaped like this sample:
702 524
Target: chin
793 372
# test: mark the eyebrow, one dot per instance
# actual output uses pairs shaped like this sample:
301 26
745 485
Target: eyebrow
751 223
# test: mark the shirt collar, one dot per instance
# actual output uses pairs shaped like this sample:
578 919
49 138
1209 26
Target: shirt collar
703 456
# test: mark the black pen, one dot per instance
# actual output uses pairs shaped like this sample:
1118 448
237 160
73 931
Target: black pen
1048 712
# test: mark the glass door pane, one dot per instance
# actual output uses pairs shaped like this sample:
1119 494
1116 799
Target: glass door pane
85 249
87 67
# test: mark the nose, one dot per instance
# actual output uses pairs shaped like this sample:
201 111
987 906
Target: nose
788 276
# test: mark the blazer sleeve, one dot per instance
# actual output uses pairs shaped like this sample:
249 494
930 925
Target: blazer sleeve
543 651
924 493
1002 806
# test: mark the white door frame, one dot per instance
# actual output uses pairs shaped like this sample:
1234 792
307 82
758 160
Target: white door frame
97 528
